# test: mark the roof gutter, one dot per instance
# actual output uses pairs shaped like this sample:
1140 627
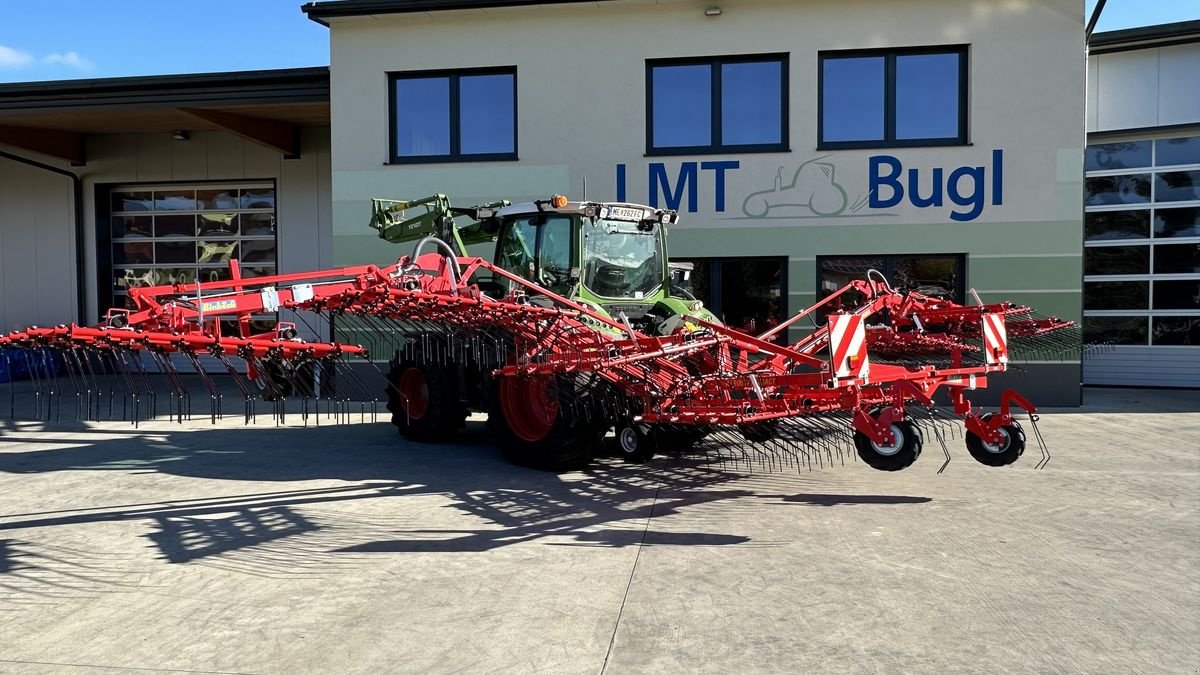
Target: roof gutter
77 210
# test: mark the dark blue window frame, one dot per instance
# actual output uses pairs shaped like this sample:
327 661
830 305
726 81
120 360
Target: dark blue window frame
455 154
716 146
889 139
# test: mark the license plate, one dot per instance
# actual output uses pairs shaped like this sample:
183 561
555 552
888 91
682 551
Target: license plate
625 213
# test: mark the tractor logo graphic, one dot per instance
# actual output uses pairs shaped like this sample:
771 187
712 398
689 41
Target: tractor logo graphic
812 193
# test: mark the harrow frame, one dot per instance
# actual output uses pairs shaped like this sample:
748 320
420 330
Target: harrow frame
865 376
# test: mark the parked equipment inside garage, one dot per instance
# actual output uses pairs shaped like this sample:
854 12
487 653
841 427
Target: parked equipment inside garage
575 328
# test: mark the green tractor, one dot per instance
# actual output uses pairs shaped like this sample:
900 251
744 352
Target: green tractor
609 257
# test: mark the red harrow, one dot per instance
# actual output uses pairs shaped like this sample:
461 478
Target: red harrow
558 371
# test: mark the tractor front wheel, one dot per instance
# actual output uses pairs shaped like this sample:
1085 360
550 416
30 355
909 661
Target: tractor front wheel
532 429
1006 452
423 401
900 453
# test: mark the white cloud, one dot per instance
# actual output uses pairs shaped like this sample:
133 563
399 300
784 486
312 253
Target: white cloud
14 58
71 59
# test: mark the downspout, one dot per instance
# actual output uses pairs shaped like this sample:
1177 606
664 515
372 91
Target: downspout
77 210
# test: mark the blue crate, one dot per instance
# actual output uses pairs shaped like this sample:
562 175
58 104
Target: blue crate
15 363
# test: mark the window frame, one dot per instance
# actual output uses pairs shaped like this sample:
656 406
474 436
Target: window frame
453 75
716 147
889 55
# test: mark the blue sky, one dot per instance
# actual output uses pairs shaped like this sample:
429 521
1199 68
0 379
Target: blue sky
61 39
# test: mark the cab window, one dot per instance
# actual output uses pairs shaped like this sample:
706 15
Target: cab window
539 253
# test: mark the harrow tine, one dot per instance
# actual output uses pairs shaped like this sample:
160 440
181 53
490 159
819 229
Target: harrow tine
12 386
1037 433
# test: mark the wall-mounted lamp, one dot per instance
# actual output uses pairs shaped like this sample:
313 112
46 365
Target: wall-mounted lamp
180 135
712 11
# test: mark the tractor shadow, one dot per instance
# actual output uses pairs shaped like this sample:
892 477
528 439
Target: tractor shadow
607 505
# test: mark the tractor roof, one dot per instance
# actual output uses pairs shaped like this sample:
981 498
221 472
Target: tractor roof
611 210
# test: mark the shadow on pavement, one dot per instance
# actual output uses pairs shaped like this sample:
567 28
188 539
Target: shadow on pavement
606 505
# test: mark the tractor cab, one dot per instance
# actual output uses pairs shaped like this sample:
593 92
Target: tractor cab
609 255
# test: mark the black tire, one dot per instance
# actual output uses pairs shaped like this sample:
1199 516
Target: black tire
1007 453
274 381
900 455
431 414
568 443
635 442
760 432
678 438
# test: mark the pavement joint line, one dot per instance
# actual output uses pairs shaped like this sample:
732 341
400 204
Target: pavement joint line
628 584
134 668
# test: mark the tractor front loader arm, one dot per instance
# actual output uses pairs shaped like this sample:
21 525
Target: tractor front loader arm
434 217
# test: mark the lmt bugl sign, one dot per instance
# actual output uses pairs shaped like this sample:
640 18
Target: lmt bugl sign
818 188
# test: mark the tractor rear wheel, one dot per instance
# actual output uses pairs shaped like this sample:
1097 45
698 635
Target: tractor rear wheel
531 427
423 401
1006 452
900 453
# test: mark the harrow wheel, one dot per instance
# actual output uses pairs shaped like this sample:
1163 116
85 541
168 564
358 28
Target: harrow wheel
636 442
532 429
423 401
1007 452
900 454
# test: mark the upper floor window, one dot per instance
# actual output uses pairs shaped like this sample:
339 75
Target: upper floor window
721 104
453 116
893 98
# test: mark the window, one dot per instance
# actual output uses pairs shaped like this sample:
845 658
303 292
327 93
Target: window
538 249
710 105
180 234
1141 231
935 275
459 116
892 98
746 293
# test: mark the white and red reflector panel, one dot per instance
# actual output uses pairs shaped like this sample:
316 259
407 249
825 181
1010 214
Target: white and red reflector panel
995 339
848 346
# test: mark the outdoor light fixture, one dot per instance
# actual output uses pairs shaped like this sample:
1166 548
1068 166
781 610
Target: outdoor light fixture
180 135
712 11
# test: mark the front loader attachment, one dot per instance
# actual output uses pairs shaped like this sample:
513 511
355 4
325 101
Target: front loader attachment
864 378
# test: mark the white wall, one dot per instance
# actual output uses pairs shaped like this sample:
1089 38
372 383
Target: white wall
37 244
37 282
1143 88
581 92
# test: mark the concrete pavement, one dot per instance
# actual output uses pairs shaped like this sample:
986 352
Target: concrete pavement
345 549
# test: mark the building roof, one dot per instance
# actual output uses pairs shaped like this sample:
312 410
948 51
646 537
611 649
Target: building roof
266 106
1159 35
328 9
292 84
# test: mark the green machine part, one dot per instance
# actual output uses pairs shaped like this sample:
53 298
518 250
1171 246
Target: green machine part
434 217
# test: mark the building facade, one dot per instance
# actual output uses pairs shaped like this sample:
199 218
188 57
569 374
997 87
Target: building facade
802 143
940 142
1142 200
